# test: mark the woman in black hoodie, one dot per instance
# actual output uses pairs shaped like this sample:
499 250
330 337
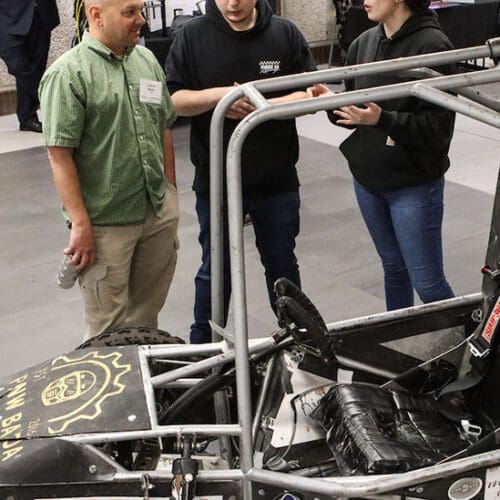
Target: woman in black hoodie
398 154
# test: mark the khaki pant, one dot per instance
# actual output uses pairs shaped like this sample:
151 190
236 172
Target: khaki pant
128 284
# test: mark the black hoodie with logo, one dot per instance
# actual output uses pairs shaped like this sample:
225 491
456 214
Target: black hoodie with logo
207 53
409 146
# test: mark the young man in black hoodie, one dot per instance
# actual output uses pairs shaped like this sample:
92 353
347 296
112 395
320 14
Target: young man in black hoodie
398 154
235 42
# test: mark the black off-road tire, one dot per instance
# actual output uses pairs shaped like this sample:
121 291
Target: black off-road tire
131 335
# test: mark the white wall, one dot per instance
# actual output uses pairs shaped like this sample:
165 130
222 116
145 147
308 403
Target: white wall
315 18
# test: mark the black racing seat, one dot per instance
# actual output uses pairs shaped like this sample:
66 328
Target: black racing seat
377 431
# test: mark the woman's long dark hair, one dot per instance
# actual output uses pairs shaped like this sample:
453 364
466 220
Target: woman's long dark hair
418 6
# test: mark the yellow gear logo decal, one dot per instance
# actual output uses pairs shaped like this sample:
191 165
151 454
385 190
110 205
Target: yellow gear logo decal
85 382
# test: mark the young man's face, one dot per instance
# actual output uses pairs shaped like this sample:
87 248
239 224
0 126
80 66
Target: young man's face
238 13
121 22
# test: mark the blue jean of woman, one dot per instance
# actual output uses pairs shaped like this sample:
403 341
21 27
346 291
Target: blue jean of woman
405 225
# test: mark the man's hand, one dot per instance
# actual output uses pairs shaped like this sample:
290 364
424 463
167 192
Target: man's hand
353 115
318 90
241 108
81 241
81 246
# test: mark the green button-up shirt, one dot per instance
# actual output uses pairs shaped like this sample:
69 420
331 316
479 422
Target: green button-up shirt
114 113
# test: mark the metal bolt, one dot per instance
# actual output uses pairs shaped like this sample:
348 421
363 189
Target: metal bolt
261 492
132 418
92 469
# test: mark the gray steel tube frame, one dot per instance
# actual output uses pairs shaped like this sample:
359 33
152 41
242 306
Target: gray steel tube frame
265 112
490 49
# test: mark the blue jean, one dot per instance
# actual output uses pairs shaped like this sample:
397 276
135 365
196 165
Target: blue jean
276 224
405 225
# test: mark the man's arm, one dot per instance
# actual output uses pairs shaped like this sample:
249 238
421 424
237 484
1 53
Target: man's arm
197 102
81 241
293 96
169 157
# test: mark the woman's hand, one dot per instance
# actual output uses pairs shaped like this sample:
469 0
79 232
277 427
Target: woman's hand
353 115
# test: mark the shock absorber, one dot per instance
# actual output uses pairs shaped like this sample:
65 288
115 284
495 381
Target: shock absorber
185 470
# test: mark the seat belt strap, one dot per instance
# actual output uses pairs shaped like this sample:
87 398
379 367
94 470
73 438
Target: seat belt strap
480 343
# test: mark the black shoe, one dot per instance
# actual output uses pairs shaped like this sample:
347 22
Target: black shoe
31 126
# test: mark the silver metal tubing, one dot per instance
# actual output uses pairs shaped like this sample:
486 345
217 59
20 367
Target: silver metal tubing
468 108
385 317
289 110
183 383
387 66
395 91
356 365
203 475
149 392
217 246
472 94
476 96
234 190
254 96
160 431
179 350
262 396
237 259
490 49
207 364
216 206
362 486
223 416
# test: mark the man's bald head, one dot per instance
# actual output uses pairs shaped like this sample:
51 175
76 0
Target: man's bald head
115 23
97 3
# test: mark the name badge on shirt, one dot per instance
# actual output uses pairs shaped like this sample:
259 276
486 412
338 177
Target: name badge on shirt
150 91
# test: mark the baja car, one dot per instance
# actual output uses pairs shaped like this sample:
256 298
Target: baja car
399 405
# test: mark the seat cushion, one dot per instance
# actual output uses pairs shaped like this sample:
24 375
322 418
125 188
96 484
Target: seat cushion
377 431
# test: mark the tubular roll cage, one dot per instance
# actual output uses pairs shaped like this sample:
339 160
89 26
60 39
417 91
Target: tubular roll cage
238 348
477 106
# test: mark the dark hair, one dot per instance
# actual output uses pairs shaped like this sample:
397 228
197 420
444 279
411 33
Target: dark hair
418 6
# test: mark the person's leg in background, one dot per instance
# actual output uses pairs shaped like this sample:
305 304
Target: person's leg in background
276 222
417 214
200 329
153 263
377 216
26 59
